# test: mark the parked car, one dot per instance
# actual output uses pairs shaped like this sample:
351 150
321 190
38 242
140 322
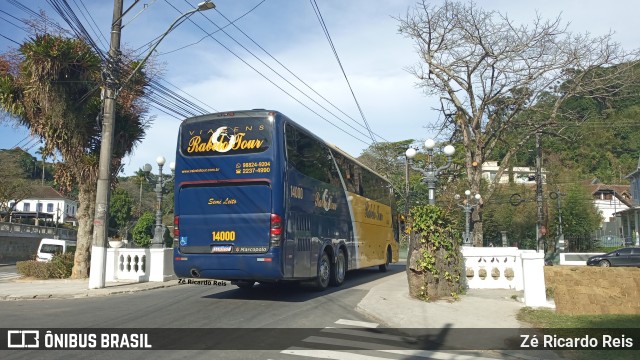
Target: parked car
629 256
48 247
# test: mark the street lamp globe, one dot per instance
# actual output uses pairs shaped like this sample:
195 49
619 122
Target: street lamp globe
160 160
467 192
449 150
146 168
411 153
172 166
478 197
456 196
429 144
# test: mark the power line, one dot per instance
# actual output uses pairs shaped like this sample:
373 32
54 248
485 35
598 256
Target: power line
97 32
17 43
299 79
269 80
326 32
231 22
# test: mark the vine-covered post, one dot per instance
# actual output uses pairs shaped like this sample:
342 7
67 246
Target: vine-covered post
434 262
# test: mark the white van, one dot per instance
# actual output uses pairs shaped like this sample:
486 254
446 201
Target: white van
48 247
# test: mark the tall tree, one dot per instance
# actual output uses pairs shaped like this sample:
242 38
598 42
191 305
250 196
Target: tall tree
497 77
13 185
120 210
52 87
388 160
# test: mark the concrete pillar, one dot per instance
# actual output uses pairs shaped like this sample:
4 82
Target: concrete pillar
533 278
160 265
504 238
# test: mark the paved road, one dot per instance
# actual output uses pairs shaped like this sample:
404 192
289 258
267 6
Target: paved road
8 272
292 322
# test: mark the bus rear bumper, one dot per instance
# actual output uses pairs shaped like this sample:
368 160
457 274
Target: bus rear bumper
228 266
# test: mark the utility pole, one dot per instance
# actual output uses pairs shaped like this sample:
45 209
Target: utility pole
540 230
101 217
560 242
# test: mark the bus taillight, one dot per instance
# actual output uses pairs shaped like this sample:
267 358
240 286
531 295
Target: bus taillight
276 229
176 227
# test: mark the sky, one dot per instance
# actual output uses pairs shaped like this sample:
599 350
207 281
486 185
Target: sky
219 74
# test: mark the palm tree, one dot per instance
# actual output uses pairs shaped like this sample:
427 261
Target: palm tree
53 90
41 151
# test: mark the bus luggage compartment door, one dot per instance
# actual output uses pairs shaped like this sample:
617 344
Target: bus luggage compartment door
225 219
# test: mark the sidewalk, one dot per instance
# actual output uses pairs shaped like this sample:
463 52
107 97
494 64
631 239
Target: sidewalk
479 317
69 289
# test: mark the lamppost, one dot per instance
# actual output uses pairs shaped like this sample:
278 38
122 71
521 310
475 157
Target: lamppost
160 181
97 277
432 172
467 205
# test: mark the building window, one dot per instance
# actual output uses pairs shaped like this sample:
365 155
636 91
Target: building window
50 207
39 207
26 207
11 205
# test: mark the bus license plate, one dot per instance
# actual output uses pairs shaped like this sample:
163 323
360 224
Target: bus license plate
219 249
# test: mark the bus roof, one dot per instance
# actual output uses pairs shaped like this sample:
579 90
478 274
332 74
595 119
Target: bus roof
264 112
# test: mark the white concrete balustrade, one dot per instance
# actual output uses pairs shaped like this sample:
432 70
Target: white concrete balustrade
486 268
139 265
507 268
493 267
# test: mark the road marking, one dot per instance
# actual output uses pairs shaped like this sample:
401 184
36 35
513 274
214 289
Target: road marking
357 323
436 355
329 354
351 343
367 350
364 333
9 276
343 355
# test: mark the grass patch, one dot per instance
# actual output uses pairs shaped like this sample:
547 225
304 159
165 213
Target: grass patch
549 319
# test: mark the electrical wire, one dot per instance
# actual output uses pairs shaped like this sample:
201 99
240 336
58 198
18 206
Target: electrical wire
299 79
98 33
271 81
326 32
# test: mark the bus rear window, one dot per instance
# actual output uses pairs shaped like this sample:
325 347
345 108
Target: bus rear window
225 136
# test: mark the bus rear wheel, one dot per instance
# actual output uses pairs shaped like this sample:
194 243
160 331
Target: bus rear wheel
338 271
384 267
324 271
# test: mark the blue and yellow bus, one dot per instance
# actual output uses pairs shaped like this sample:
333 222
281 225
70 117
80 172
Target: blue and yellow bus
260 199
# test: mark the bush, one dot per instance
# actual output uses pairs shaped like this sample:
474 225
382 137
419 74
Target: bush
143 230
59 268
61 265
32 268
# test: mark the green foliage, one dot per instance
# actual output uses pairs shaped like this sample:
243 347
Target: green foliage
437 253
579 215
13 185
61 265
59 268
143 230
167 238
518 221
120 210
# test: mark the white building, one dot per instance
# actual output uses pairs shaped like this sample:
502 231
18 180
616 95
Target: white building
46 204
521 175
